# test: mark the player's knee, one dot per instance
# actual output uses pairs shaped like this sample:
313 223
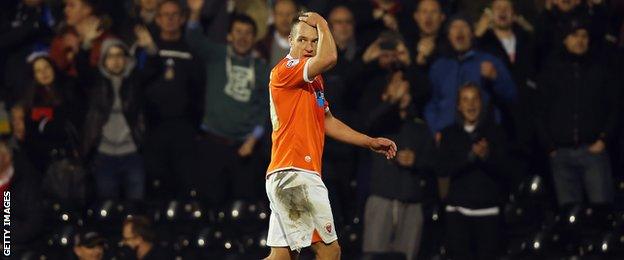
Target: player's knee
329 252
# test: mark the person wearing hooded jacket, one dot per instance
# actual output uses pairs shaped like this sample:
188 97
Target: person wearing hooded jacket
114 126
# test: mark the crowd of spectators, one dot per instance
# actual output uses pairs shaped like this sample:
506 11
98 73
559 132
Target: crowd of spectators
159 100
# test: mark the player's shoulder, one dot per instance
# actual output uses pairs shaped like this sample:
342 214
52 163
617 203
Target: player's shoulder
288 63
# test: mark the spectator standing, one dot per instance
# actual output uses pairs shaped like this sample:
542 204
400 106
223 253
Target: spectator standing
393 218
472 154
463 63
236 108
173 106
426 41
579 111
52 119
499 33
114 125
274 46
425 45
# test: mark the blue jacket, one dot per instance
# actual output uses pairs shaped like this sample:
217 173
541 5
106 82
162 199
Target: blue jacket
448 73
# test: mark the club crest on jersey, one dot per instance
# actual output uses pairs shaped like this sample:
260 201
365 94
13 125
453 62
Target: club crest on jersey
320 98
292 63
328 228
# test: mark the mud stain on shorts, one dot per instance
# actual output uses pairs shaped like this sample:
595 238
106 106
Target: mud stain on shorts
295 199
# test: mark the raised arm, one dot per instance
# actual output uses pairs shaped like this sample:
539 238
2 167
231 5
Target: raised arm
326 53
336 129
195 37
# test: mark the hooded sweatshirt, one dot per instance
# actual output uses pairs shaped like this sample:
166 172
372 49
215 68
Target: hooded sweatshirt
116 134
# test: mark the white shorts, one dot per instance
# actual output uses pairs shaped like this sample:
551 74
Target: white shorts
299 206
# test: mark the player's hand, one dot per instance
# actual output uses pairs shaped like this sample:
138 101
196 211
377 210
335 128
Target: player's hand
313 19
247 148
384 146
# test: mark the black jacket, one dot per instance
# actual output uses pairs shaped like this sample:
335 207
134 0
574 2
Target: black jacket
47 136
578 104
177 92
100 106
474 183
388 178
523 71
102 96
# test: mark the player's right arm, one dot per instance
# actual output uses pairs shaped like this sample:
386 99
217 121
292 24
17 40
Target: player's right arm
326 53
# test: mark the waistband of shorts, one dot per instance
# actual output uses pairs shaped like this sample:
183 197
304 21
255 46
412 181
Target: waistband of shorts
291 169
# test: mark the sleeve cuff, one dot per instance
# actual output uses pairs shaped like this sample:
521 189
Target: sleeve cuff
305 72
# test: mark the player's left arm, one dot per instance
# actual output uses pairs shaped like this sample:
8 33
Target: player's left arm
336 129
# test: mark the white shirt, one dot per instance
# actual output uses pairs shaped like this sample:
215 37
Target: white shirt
509 44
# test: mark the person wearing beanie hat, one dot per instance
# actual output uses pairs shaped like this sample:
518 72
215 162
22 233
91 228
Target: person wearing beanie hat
460 64
555 21
578 116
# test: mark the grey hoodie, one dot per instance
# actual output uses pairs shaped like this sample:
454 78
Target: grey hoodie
116 134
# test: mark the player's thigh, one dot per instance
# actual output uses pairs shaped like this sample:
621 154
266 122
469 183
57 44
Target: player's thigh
282 253
324 251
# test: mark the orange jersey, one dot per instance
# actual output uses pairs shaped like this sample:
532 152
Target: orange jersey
298 109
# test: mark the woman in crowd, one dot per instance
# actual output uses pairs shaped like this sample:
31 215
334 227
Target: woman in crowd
48 112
